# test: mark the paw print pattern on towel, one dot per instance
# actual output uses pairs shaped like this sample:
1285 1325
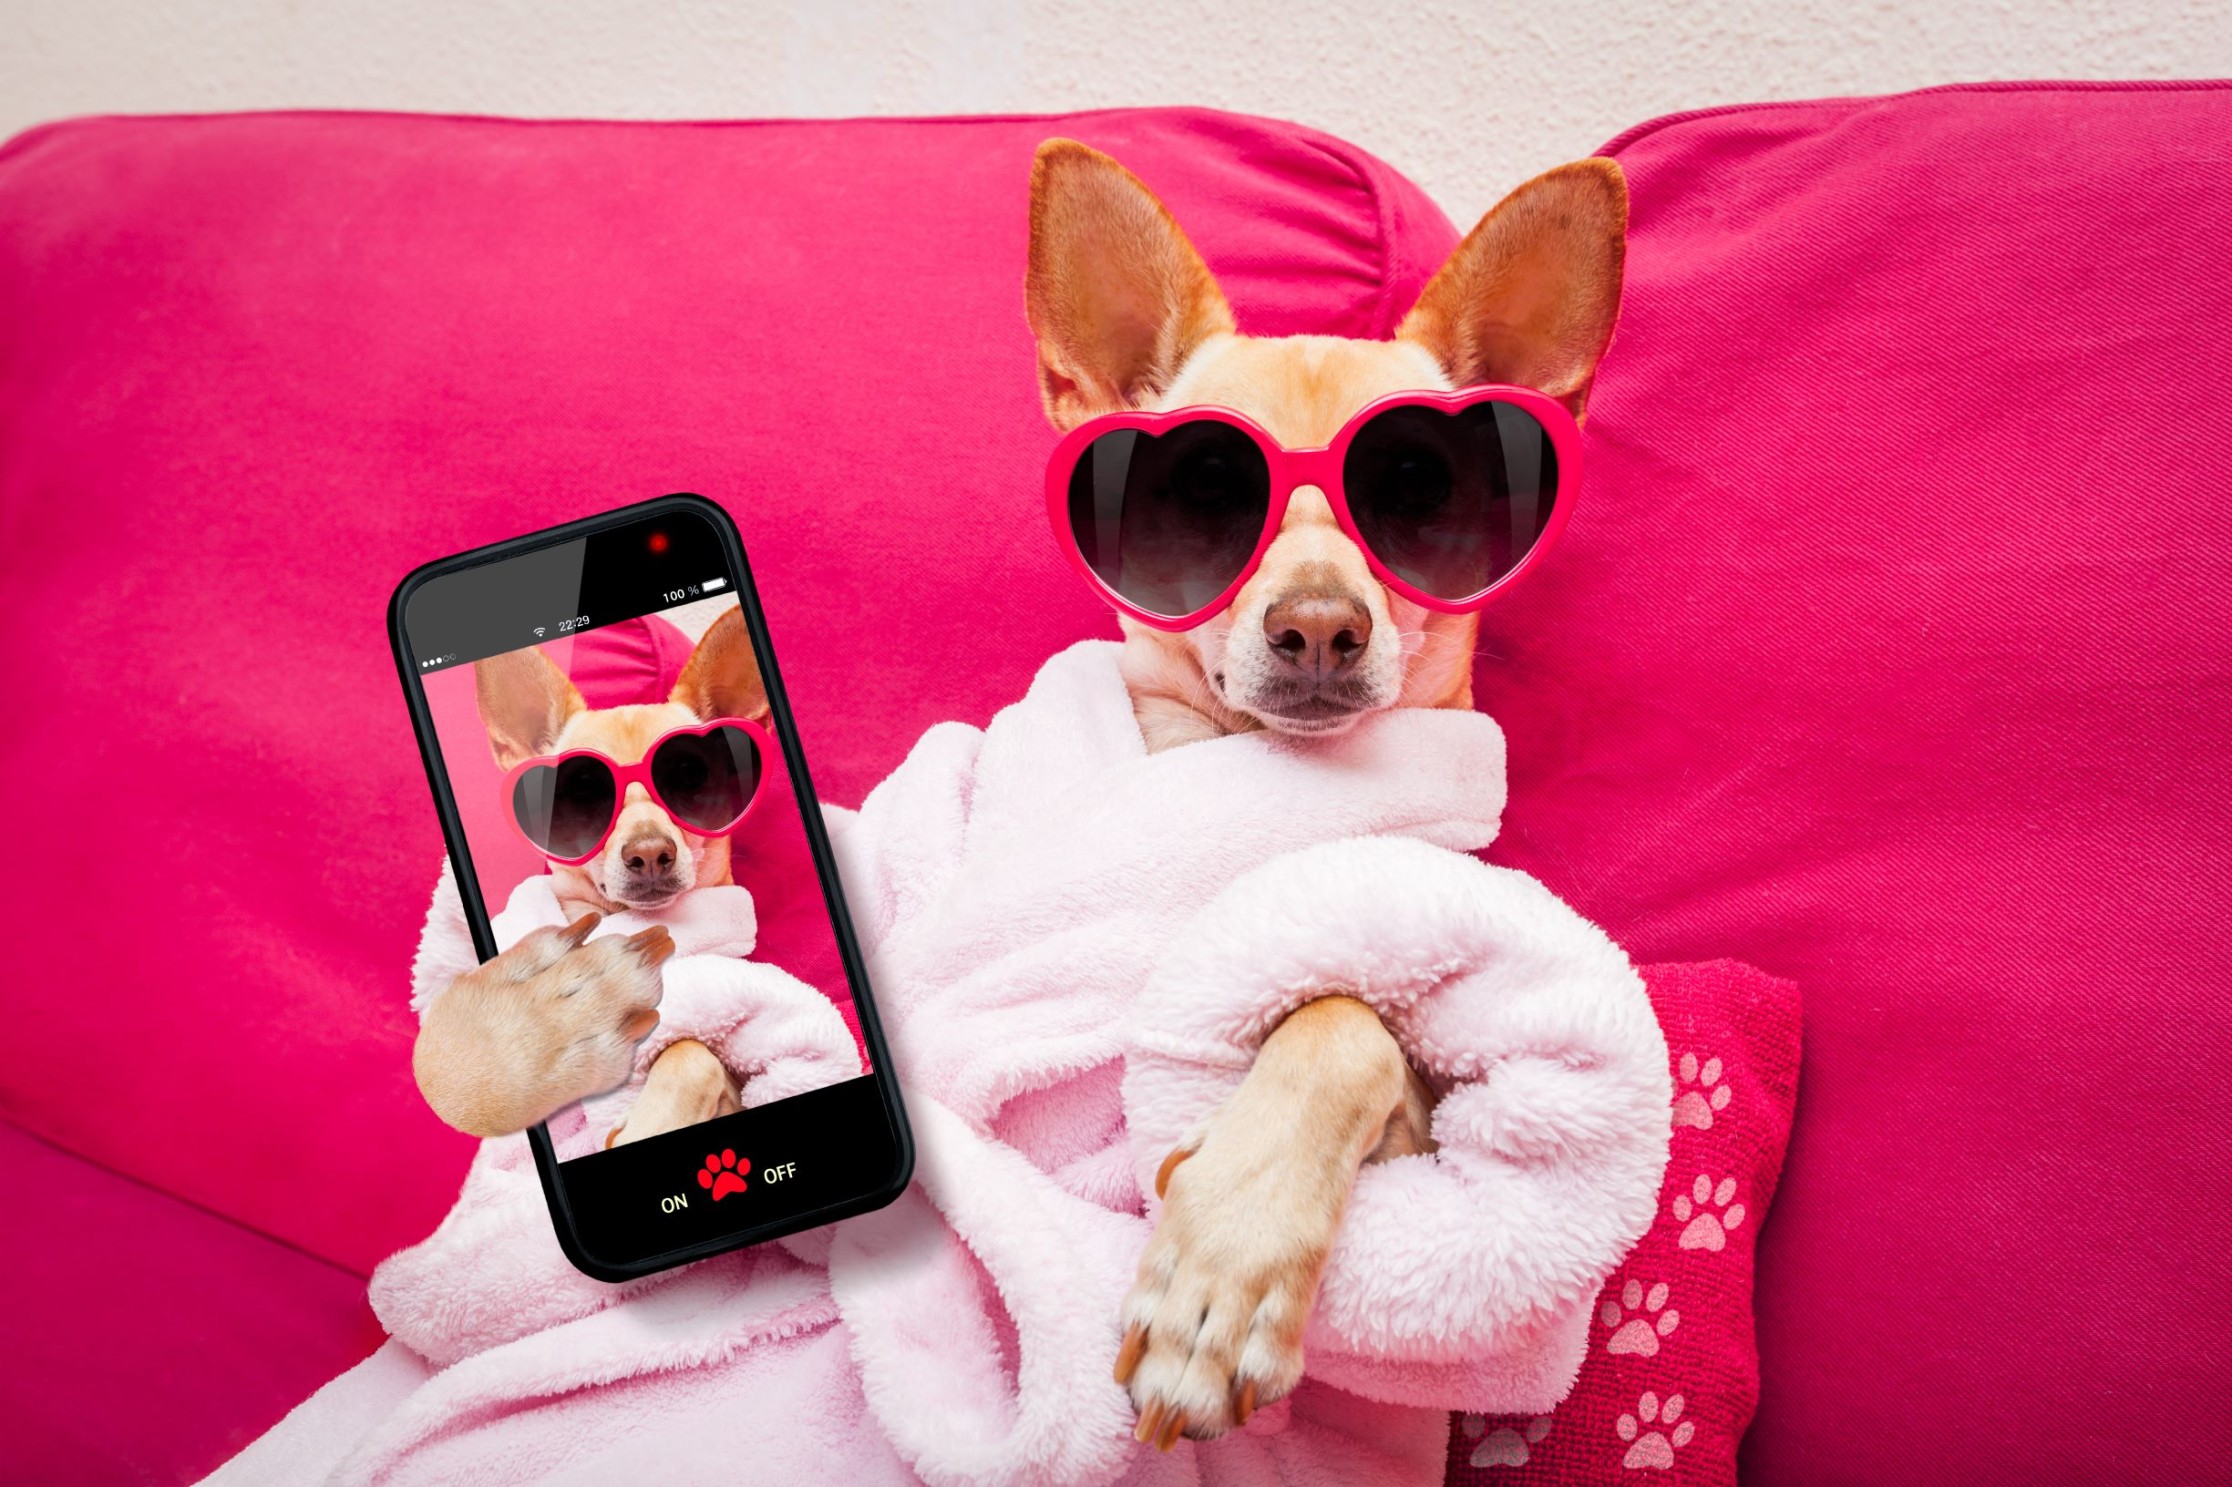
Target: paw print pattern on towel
1638 1319
1707 1229
1506 1445
1703 1095
1653 1450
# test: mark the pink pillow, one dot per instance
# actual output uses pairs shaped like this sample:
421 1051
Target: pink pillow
1886 650
1672 1373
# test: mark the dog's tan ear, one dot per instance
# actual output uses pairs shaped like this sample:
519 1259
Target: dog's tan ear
525 700
722 677
1530 295
1116 295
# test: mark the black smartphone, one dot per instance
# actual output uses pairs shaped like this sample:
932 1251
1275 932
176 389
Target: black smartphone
604 727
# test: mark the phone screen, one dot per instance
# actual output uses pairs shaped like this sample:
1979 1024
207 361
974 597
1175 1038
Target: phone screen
604 714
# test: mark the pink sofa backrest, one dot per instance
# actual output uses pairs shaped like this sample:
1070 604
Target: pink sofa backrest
1890 649
253 369
1887 648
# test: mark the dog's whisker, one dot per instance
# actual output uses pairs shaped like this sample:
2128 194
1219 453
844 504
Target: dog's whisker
1203 695
1417 643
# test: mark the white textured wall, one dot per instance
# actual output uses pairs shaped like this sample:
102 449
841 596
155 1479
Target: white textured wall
1466 98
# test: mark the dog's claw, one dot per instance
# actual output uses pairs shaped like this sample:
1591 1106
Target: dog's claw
1128 1356
1244 1406
654 945
1171 1430
1149 1419
1170 1165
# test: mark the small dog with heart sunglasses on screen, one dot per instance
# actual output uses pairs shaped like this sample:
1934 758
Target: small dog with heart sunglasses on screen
632 807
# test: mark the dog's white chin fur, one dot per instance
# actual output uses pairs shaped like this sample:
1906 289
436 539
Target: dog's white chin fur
624 903
647 905
1314 727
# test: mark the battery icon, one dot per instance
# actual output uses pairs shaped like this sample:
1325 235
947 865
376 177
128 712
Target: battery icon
713 583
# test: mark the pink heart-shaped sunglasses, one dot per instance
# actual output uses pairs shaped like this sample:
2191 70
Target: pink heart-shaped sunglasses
1451 496
706 776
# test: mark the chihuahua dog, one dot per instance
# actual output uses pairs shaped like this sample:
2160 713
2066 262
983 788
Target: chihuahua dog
555 1017
1128 317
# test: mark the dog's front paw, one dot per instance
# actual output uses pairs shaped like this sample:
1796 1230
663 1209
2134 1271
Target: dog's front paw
550 1021
687 1085
1213 1325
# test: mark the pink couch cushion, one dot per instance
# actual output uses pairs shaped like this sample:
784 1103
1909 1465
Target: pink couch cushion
253 369
1888 651
143 1339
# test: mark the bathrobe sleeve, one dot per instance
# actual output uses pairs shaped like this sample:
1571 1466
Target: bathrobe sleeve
1462 1278
778 1036
898 851
491 1272
445 948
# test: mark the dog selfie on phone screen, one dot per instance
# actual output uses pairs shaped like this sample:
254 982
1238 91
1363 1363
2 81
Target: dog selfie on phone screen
621 789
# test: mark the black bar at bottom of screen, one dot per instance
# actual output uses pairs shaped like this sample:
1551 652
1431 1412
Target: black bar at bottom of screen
756 1167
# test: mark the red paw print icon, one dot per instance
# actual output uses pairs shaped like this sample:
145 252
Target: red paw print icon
724 1174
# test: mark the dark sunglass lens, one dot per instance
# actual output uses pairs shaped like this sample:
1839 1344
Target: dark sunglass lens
565 808
1169 521
1451 502
707 779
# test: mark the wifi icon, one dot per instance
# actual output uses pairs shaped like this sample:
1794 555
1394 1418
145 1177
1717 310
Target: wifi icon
538 632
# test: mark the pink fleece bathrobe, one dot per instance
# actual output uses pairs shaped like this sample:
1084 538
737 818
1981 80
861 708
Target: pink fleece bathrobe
1076 948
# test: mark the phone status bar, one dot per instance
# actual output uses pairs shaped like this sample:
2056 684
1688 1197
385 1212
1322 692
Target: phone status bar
544 595
715 587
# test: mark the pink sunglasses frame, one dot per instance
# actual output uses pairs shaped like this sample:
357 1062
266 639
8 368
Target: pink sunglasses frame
1293 468
638 773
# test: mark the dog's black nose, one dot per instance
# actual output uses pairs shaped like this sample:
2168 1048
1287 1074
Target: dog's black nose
1320 634
648 856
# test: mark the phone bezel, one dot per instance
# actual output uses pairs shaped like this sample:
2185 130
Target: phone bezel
879 1189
